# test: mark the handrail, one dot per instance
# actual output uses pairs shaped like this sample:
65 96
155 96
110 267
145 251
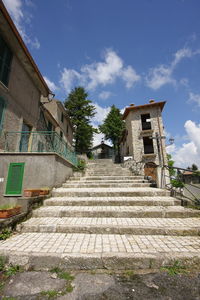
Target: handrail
178 176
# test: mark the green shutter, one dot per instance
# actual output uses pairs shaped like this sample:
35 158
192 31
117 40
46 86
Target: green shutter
15 179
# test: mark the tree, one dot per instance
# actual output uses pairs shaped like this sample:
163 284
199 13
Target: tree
170 164
113 127
80 111
194 167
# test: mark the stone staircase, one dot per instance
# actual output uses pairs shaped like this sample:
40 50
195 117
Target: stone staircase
107 219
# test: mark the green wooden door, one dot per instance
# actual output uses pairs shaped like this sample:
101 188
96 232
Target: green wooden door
15 179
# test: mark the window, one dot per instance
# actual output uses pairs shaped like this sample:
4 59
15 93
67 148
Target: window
67 128
61 134
25 138
62 117
148 145
50 126
5 62
2 109
146 122
15 179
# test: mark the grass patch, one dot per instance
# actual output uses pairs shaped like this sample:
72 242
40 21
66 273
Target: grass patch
62 274
175 269
5 233
50 294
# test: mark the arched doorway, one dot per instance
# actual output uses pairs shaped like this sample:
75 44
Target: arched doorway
150 169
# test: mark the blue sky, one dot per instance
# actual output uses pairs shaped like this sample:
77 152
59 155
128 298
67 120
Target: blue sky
122 52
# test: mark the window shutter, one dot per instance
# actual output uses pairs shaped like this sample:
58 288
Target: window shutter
15 179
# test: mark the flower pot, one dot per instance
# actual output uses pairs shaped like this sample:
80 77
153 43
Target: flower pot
9 212
44 192
31 193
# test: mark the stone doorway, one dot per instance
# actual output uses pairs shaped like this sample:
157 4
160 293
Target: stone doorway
150 169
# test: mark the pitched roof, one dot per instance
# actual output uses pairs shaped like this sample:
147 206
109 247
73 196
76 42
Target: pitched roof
148 105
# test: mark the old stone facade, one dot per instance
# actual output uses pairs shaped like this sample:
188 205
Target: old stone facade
143 140
102 151
64 128
21 84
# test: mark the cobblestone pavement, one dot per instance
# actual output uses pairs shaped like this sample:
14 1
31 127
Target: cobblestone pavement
111 228
150 222
99 243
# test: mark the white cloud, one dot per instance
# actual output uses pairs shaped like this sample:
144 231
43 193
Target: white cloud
130 76
105 95
16 10
163 74
188 153
101 114
68 78
100 73
194 98
51 84
97 138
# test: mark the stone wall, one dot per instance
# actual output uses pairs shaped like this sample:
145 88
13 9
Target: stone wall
41 170
22 101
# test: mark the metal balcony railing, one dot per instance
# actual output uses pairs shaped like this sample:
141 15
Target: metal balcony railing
39 142
179 186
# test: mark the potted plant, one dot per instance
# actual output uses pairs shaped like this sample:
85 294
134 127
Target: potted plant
44 191
31 192
9 210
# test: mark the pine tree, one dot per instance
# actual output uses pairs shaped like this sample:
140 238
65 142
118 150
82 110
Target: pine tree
113 127
80 111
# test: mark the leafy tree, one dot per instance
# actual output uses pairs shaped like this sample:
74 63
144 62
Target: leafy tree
194 167
170 164
80 111
113 127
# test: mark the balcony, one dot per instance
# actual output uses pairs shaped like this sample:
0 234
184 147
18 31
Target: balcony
39 142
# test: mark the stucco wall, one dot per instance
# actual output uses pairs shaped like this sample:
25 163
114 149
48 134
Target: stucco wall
41 170
55 109
22 101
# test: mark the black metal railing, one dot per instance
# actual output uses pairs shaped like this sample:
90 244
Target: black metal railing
179 183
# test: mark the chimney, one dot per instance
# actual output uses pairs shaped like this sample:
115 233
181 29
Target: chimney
151 101
132 104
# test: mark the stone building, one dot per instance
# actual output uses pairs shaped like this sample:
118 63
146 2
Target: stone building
32 155
102 151
64 128
21 83
143 139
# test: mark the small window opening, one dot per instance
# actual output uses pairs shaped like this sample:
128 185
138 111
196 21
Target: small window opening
148 145
146 122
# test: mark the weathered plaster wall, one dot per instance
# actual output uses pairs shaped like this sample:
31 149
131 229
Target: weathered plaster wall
41 170
22 102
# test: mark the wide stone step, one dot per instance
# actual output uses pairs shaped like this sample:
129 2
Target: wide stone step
42 251
106 181
85 178
119 201
116 211
136 226
104 185
104 192
106 173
